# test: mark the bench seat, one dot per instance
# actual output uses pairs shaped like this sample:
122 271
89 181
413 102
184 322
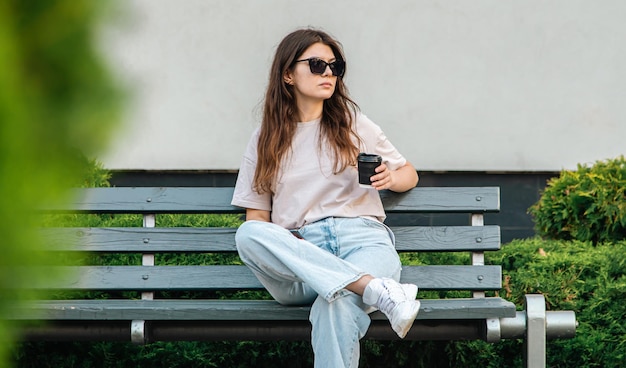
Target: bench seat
202 309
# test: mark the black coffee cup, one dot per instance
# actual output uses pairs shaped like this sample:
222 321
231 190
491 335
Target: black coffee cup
367 168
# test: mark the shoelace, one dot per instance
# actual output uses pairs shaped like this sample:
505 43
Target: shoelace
396 295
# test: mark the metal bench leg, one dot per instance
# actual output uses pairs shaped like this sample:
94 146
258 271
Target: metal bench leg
535 344
137 332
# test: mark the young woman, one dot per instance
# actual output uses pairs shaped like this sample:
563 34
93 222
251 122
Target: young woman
312 234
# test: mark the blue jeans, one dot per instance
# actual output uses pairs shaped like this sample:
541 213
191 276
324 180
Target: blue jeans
336 252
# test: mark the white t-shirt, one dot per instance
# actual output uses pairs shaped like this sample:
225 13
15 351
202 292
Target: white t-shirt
306 189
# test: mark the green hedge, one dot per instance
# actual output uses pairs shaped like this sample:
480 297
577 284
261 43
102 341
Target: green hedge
588 204
573 275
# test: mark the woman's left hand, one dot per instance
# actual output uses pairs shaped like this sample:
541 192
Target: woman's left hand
383 178
400 180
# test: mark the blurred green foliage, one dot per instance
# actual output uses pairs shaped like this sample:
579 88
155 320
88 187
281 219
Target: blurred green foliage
588 204
58 103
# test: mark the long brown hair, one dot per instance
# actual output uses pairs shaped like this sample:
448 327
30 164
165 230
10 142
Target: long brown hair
280 112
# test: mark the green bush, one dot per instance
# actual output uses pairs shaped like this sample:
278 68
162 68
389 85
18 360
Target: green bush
588 204
92 174
580 276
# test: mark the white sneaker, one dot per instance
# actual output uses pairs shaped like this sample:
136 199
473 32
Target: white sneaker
395 300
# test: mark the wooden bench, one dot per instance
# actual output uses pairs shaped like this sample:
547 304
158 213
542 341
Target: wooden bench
147 318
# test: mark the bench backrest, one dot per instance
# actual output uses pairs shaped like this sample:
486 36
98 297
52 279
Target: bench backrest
149 240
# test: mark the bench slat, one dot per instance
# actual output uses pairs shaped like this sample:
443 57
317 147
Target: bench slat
148 200
447 238
152 240
445 199
217 200
238 310
150 278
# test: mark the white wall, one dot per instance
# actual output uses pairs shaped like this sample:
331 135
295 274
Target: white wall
488 85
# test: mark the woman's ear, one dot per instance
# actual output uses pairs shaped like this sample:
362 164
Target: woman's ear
288 78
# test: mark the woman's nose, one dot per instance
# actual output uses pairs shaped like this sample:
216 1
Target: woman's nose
327 71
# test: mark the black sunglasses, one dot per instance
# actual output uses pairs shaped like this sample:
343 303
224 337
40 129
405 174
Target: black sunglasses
318 66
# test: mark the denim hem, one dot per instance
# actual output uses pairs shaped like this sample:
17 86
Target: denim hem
338 291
